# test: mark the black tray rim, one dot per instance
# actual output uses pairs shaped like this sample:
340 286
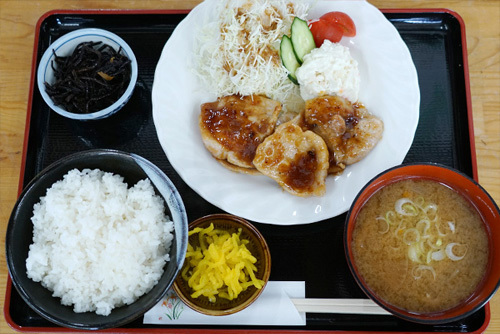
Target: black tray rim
40 21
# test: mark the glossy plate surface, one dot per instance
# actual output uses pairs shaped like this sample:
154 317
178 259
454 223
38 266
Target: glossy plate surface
389 89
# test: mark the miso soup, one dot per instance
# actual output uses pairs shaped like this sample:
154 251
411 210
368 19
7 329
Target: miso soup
420 246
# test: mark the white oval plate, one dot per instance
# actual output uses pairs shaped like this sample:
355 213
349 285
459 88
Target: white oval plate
389 89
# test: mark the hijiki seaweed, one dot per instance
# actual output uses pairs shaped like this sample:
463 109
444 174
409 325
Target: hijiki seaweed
92 78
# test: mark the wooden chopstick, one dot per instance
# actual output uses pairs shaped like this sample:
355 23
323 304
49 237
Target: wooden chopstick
344 306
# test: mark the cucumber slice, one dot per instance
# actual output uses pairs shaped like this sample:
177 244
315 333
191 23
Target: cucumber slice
288 58
302 39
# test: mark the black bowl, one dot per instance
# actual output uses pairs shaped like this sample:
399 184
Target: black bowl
20 232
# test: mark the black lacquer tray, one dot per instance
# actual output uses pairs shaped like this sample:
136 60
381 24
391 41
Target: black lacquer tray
312 252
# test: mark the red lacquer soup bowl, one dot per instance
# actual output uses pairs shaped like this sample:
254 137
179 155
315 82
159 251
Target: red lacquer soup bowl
480 201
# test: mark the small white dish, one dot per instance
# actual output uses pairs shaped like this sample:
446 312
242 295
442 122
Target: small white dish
64 46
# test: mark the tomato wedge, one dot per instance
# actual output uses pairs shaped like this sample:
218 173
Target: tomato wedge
322 30
341 20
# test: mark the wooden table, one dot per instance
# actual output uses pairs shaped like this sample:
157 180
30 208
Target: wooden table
17 30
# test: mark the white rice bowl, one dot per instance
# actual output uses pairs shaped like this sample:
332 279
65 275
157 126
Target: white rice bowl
97 244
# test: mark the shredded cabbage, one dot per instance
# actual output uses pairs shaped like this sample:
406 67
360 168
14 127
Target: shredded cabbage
238 52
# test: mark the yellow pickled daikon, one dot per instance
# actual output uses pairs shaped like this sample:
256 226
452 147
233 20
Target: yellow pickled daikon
220 266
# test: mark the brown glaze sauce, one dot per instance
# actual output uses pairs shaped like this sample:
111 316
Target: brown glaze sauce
232 128
323 108
300 175
325 112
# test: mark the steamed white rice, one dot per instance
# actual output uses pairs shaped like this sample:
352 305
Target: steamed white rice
97 244
329 70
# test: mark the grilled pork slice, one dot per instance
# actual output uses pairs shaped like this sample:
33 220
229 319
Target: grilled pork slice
297 160
349 130
233 127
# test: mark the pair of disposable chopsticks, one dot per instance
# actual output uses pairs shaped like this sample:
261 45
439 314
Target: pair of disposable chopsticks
345 306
